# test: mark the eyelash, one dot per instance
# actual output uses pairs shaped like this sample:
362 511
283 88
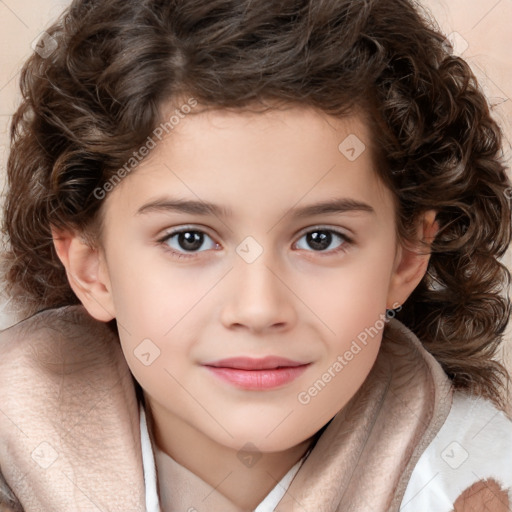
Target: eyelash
346 242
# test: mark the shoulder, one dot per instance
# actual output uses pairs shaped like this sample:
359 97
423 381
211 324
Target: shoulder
66 319
67 334
60 352
468 462
64 382
8 501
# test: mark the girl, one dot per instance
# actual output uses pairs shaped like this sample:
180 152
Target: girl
258 249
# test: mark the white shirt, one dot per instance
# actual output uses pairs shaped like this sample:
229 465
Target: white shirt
148 460
475 443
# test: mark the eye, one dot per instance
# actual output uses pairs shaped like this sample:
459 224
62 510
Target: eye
324 240
188 240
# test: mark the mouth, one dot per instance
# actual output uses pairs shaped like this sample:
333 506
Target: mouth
257 373
251 363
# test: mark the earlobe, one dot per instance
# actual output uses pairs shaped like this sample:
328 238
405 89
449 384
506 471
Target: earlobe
412 262
87 273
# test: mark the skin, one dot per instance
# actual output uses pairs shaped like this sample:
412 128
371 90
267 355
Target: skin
295 300
483 496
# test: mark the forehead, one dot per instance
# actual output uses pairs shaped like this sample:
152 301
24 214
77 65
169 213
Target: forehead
246 160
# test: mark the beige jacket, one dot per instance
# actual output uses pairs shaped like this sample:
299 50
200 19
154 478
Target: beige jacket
70 434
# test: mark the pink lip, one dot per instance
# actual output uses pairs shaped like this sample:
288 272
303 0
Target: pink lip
253 363
257 374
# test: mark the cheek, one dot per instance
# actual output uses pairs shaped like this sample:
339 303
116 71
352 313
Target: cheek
351 303
159 310
151 294
355 317
351 298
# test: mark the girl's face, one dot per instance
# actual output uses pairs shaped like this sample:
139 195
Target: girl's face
247 242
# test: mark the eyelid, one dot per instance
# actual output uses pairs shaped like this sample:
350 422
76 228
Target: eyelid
344 232
341 232
326 227
171 232
184 227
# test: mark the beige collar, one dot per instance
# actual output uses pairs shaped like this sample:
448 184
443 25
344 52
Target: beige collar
69 423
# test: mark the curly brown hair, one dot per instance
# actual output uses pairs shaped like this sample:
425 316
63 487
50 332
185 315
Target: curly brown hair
99 94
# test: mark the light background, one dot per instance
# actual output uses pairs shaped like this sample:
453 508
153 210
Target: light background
481 31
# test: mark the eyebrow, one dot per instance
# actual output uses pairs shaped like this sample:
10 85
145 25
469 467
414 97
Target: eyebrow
168 204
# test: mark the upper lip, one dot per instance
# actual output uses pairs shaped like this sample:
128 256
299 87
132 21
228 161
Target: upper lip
251 363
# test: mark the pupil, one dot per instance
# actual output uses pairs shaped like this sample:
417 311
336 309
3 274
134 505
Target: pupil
190 240
319 240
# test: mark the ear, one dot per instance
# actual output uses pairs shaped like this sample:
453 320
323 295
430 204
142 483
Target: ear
411 262
87 272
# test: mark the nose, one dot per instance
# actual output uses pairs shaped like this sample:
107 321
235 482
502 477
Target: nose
258 299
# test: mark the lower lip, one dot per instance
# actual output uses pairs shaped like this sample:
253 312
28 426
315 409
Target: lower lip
258 379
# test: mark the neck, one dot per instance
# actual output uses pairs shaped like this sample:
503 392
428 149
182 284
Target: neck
243 477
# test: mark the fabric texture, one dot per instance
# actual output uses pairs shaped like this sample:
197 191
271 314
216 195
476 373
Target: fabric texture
473 445
71 437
